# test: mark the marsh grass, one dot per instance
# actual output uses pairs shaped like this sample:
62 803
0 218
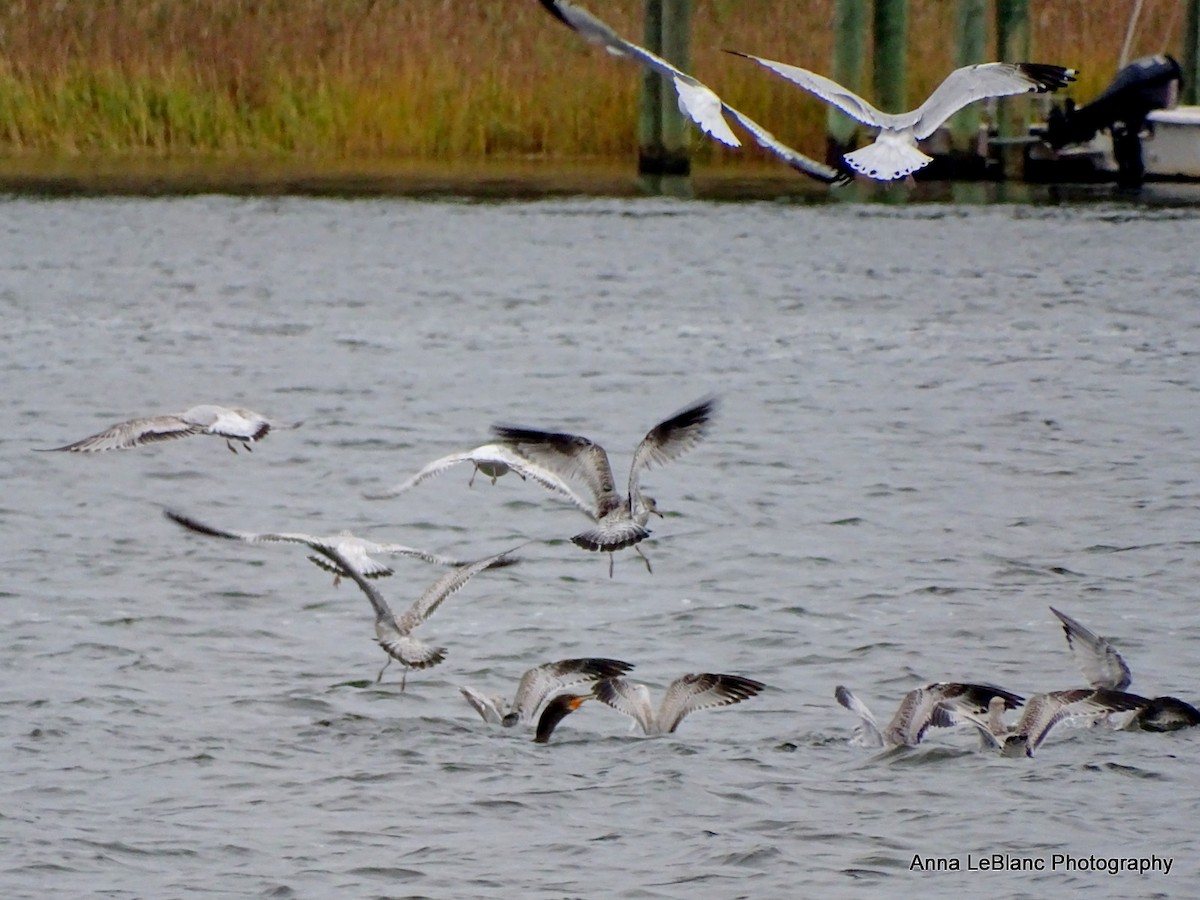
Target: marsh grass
449 80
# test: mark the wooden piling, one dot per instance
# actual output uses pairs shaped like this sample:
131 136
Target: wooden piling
662 128
891 55
969 48
1191 54
1013 45
849 42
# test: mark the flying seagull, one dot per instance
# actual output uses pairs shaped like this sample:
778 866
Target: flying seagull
394 632
1103 667
493 460
696 100
934 705
358 550
539 684
894 153
620 521
236 424
686 694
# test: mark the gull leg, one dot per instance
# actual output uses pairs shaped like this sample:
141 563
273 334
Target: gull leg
403 679
644 557
232 449
474 472
610 564
379 677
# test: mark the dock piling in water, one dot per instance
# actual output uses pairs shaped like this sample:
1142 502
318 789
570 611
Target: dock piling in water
662 132
849 41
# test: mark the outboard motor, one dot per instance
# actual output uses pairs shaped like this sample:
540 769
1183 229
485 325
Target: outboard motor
1144 85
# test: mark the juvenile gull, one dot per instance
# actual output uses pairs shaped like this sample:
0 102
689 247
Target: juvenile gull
937 705
696 100
493 460
236 424
557 710
394 632
686 694
538 684
620 520
1042 712
1103 667
894 153
357 550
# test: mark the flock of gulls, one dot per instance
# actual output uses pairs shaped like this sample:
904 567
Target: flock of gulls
577 470
574 468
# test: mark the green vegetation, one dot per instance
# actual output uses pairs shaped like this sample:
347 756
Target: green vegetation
338 81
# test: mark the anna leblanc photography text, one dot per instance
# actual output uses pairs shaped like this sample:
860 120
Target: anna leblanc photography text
1056 862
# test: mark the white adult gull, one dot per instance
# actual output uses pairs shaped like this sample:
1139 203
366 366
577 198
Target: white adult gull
538 685
233 424
493 460
935 705
696 100
620 521
358 550
394 632
1104 667
894 153
685 695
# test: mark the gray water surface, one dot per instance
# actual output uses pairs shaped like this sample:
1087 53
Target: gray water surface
935 422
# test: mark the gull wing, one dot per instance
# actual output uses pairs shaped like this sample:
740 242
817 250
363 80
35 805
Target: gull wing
669 440
628 698
568 456
133 433
867 733
827 89
1044 711
1099 660
789 155
540 682
964 86
706 690
940 705
433 596
437 467
383 612
490 709
696 99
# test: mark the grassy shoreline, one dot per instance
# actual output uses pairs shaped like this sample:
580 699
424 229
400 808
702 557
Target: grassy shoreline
329 86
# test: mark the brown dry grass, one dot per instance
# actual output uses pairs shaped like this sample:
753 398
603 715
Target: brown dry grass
439 79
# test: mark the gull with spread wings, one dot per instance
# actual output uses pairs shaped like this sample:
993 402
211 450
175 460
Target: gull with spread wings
894 153
696 100
934 705
685 695
620 521
538 685
394 632
235 424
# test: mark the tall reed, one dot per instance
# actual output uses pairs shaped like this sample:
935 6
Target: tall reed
438 79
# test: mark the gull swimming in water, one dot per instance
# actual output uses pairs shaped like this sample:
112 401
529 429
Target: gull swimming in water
236 424
538 684
1043 711
935 705
557 710
1103 667
894 153
357 550
696 100
493 460
394 632
620 520
686 694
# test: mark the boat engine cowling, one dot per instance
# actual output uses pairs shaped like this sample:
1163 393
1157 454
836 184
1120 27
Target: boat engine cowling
1143 86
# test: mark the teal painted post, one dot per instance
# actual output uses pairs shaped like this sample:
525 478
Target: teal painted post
1013 42
662 128
891 54
653 88
969 49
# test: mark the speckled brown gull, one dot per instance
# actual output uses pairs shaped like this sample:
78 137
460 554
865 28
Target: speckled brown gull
1104 667
697 101
620 520
494 461
358 550
935 705
894 153
685 695
1080 706
538 684
235 424
394 632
